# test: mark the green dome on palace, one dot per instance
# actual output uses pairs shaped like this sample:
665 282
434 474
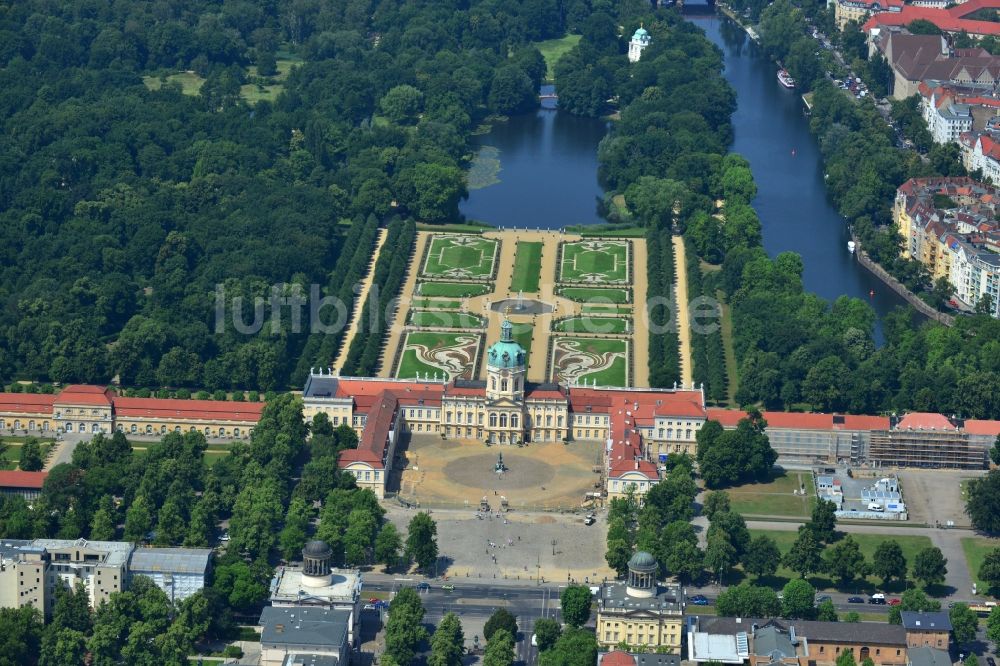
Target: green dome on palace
506 353
640 34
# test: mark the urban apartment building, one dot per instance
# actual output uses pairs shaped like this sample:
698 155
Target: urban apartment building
950 226
846 11
956 19
763 642
30 570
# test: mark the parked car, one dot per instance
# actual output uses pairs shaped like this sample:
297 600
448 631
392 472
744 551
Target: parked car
423 586
878 599
823 597
368 607
894 602
855 600
589 520
699 600
373 600
224 537
448 587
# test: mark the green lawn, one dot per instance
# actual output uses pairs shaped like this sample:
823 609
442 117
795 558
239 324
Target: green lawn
910 545
254 92
775 497
590 308
12 456
522 336
460 257
727 345
976 549
553 49
426 353
590 360
527 267
190 82
452 289
591 261
436 303
446 319
592 325
593 295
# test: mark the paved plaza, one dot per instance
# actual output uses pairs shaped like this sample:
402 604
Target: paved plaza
460 473
522 544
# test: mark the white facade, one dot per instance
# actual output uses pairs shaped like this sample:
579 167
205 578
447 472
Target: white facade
945 121
638 43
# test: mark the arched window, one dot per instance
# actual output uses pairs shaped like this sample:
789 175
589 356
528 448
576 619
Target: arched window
163 430
17 425
177 428
149 430
82 427
31 425
193 429
493 420
208 431
236 432
134 428
503 420
687 434
69 426
503 384
3 424
514 420
45 426
517 383
95 428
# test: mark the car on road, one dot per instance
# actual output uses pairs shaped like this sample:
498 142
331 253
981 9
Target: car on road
448 587
820 598
368 607
699 600
855 600
534 640
589 520
373 600
877 599
423 586
224 537
894 602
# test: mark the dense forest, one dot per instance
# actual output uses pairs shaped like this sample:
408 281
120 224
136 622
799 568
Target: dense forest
128 195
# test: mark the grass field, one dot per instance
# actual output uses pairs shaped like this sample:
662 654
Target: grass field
12 456
605 309
592 325
446 319
522 336
452 289
460 256
190 82
727 345
527 267
775 497
594 295
553 49
594 261
427 353
436 303
590 361
976 549
909 544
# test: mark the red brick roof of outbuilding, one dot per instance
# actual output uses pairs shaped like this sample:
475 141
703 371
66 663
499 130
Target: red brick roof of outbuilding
196 410
982 427
19 479
27 403
85 394
618 658
925 421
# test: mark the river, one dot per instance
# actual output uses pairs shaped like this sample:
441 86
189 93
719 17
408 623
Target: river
547 174
772 132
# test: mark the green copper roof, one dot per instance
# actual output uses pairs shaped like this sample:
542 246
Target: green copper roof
506 353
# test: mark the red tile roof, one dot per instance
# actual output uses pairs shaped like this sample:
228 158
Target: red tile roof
19 479
84 394
27 403
981 427
925 421
196 410
730 418
949 20
618 658
861 422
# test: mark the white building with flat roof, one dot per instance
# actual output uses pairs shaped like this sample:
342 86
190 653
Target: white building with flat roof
179 572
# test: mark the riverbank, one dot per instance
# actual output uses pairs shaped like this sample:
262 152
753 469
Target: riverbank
918 304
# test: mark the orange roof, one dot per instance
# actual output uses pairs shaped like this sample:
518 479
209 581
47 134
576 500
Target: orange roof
730 418
198 410
924 421
861 422
19 479
617 658
799 420
27 403
981 427
727 417
85 394
949 20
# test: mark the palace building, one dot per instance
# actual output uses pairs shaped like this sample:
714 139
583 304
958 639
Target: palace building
85 409
641 612
505 408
